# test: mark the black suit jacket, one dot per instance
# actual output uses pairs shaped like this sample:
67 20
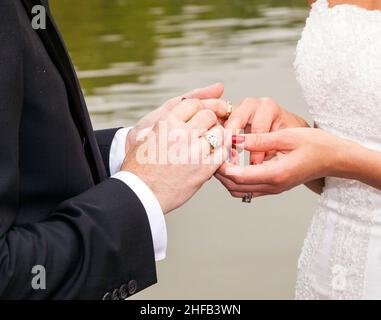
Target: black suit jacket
58 207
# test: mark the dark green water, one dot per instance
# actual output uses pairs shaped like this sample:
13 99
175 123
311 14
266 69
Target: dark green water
133 54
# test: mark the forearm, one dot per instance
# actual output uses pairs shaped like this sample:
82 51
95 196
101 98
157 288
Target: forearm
356 162
317 185
105 139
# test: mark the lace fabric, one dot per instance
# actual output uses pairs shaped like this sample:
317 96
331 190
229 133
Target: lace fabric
338 65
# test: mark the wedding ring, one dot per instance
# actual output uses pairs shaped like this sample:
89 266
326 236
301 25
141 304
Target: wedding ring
248 197
212 140
230 110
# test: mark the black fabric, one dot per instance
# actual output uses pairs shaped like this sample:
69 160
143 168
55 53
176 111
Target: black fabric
57 207
58 53
104 139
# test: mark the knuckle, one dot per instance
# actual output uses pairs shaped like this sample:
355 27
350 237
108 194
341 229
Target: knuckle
267 102
210 115
194 103
270 105
249 101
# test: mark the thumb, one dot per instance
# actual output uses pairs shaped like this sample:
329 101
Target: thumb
215 91
263 142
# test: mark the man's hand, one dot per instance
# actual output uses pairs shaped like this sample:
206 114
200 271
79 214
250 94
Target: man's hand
176 159
212 92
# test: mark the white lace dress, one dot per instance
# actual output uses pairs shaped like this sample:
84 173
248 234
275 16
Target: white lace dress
338 64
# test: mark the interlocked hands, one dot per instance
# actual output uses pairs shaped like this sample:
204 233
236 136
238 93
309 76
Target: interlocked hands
181 145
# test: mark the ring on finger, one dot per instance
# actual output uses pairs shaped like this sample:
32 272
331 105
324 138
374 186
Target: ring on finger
247 197
229 111
212 140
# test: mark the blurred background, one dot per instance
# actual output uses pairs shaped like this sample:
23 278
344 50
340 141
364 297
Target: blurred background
131 55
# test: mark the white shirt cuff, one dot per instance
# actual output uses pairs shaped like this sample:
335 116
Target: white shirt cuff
152 208
118 150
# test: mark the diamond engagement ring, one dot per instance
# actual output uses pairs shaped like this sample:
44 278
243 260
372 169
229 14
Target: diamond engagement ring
212 140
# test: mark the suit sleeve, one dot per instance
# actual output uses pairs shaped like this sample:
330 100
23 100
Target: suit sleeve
96 243
104 139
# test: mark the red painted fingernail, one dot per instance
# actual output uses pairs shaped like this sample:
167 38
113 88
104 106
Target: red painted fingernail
183 98
238 139
252 163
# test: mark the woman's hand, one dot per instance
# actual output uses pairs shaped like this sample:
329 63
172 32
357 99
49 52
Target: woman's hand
261 116
302 155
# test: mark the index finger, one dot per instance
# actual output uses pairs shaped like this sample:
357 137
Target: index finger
241 116
218 106
215 91
249 175
262 123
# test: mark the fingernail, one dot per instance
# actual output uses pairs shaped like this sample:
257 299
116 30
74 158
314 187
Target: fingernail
183 98
252 163
238 139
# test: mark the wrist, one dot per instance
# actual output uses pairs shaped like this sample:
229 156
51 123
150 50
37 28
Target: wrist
347 157
130 138
147 177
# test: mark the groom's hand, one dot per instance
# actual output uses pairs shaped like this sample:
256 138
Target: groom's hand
214 91
176 159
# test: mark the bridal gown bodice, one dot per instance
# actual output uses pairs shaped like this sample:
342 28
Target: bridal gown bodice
338 65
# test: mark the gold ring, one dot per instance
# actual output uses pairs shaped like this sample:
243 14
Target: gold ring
248 197
230 110
212 140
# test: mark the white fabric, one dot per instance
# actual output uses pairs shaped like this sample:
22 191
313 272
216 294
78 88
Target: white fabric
338 64
153 210
118 150
143 192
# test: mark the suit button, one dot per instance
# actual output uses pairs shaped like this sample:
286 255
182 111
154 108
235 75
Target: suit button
107 296
132 287
115 295
123 290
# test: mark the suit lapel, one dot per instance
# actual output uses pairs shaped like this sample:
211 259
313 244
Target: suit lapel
59 55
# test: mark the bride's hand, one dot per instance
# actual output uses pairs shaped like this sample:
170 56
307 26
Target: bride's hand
261 116
302 155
